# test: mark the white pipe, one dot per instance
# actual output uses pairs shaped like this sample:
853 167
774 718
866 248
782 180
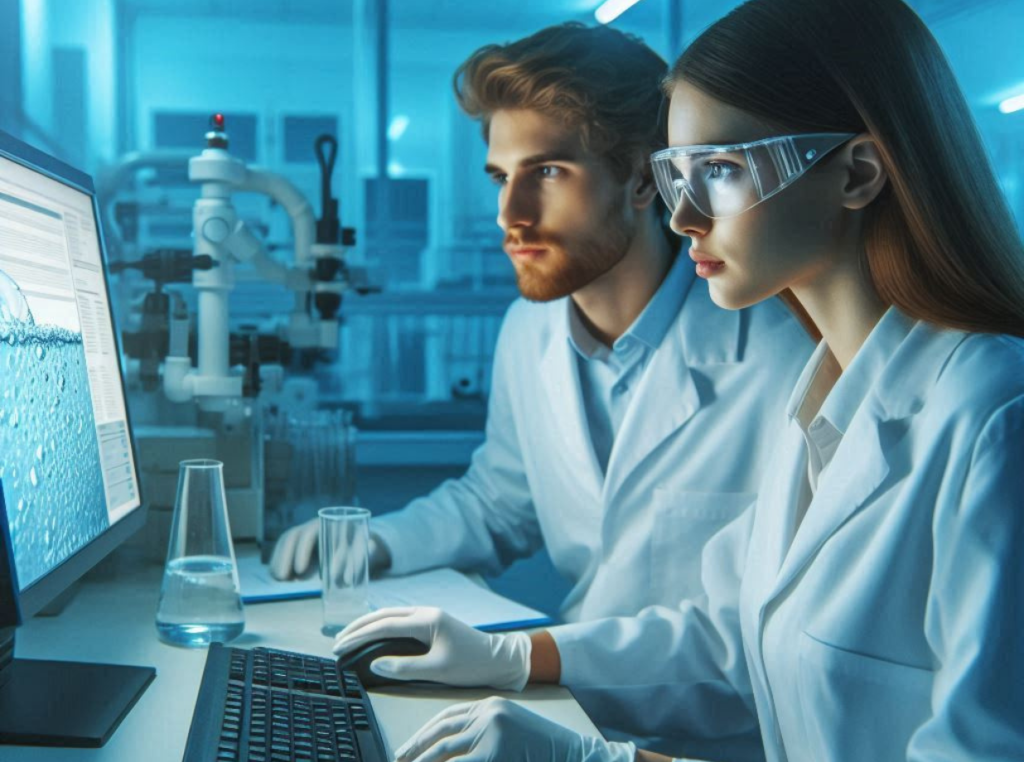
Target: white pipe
246 247
109 180
294 203
213 333
178 379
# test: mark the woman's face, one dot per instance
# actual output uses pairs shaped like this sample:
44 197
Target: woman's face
787 241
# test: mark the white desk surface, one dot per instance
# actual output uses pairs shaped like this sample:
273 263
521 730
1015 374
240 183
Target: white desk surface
111 620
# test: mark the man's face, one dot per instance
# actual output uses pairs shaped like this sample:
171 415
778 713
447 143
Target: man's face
567 220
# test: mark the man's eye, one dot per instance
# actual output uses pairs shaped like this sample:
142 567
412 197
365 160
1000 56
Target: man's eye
549 171
499 179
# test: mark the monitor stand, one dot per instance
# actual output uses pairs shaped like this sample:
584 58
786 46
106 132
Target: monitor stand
56 703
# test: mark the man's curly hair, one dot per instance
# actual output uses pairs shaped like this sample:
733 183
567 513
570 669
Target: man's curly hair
601 82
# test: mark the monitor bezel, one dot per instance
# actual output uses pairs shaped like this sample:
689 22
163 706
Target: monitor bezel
10 609
43 590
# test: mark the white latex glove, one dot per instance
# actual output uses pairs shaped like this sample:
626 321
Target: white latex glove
459 654
496 729
297 547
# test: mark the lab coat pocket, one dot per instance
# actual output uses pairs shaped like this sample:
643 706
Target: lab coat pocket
683 523
857 707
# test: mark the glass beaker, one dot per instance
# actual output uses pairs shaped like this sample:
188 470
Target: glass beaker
344 565
199 600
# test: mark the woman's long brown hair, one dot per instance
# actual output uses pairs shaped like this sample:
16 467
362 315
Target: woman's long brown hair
940 241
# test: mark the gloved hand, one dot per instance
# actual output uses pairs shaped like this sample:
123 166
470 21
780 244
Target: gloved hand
297 547
459 654
496 729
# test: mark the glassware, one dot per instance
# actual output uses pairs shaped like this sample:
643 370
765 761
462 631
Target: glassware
309 462
200 601
344 565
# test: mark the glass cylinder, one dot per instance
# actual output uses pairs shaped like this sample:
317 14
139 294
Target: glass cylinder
200 601
344 565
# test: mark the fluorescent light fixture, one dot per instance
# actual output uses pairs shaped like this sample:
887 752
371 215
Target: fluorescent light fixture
1016 103
398 127
610 10
395 169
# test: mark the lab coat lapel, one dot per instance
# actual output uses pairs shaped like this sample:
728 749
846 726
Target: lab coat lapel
861 464
559 377
780 486
859 467
667 397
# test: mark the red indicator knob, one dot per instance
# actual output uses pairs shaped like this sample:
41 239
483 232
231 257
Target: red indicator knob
217 121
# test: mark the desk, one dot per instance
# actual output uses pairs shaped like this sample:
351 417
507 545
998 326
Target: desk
111 619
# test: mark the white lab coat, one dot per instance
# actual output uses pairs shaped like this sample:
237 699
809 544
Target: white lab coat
892 620
687 459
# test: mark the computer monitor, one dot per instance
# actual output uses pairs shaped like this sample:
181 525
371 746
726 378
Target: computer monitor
70 488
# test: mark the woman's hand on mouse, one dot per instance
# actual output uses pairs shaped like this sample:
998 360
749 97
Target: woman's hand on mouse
459 654
496 729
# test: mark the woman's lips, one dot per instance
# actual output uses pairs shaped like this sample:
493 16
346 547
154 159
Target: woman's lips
706 266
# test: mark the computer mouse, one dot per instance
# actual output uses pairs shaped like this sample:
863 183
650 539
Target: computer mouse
358 661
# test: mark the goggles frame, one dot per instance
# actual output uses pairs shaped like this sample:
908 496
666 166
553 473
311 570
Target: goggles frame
788 157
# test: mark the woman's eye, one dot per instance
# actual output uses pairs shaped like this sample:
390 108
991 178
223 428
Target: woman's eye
719 170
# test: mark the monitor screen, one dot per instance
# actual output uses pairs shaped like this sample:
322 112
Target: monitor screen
66 460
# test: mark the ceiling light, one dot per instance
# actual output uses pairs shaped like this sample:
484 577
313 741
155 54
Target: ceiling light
610 10
1016 103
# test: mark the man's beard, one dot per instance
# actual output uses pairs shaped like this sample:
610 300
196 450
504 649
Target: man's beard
561 273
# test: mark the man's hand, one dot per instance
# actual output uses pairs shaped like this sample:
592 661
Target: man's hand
459 654
296 551
496 729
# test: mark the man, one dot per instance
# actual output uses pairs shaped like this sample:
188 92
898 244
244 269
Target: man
629 418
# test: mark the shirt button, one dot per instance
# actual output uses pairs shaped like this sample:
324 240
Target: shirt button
620 388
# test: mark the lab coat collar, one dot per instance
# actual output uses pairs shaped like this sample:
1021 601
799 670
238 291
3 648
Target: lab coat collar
701 334
880 349
868 364
806 381
861 464
649 328
656 319
667 395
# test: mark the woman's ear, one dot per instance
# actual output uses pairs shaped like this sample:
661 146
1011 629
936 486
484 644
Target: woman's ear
866 174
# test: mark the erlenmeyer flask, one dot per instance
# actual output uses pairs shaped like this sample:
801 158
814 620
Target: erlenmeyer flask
199 601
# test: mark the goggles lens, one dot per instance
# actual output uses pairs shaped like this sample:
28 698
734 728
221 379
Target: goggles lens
723 181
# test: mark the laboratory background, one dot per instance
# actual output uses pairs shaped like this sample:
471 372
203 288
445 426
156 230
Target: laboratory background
368 385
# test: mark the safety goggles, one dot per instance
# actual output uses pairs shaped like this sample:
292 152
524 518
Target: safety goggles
723 181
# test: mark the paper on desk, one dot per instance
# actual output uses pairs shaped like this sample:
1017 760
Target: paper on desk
447 589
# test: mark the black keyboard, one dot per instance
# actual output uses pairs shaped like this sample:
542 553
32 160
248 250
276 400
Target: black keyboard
265 705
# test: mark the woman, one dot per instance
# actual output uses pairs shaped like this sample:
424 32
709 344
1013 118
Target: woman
821 150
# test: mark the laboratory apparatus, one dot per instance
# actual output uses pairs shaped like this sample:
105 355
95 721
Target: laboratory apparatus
208 386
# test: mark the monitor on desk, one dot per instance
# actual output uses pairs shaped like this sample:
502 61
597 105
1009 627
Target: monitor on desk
70 488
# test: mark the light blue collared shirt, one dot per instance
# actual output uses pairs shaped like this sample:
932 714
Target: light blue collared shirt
608 376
